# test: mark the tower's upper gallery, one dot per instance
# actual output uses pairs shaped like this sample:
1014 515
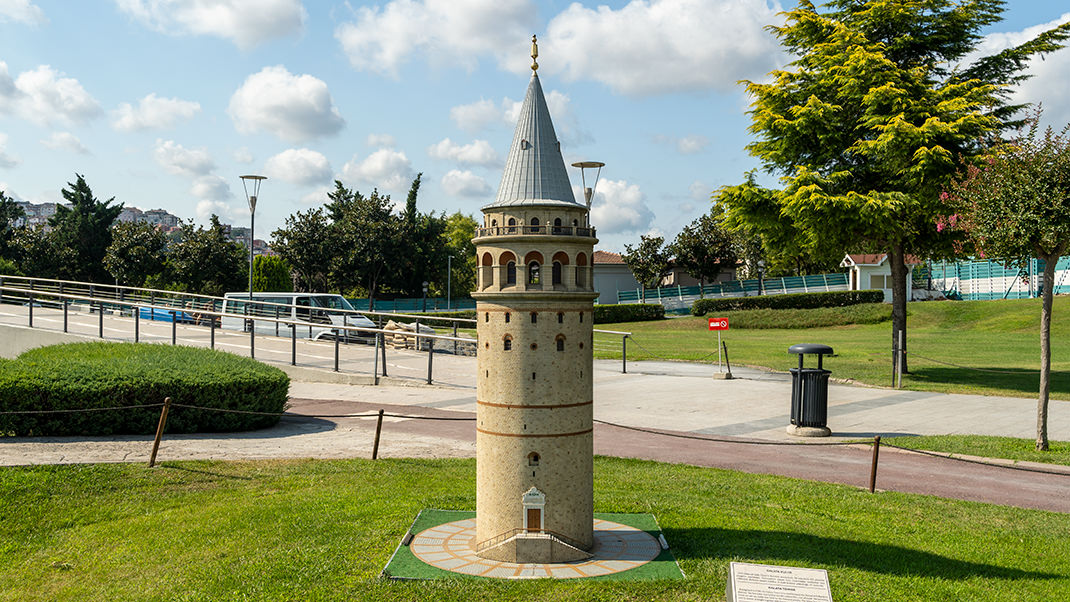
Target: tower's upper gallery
535 170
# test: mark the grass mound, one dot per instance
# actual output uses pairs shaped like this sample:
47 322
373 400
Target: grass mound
80 376
822 317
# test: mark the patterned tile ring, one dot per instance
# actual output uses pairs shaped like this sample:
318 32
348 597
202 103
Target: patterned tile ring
617 548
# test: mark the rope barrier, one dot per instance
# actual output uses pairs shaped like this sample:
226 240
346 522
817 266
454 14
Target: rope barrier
909 355
947 456
719 440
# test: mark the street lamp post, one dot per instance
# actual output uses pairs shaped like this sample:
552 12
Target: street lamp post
761 277
254 182
425 296
449 282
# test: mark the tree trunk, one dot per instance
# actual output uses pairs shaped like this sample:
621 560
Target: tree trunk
897 261
1050 261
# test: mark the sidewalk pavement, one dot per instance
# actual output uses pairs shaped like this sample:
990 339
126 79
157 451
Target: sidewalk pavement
674 398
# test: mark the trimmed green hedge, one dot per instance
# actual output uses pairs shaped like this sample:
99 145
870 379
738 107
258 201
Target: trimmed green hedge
792 301
631 312
819 317
100 375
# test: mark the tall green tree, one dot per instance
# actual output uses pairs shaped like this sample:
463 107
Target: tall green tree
1015 207
10 213
460 230
82 233
368 235
136 253
704 248
865 126
306 242
272 273
649 261
205 261
35 252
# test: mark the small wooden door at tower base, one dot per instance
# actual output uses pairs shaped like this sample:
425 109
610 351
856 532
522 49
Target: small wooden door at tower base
534 520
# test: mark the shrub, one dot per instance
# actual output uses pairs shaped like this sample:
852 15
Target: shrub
271 273
8 268
631 312
792 301
98 375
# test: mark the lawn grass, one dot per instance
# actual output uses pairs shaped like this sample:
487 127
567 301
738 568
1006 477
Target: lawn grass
323 530
1010 448
1002 337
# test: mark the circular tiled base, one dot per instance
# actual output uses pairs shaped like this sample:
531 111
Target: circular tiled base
617 548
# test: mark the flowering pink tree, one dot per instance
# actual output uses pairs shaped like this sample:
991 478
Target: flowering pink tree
1015 207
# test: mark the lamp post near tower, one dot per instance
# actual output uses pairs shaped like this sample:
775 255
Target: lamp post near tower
254 182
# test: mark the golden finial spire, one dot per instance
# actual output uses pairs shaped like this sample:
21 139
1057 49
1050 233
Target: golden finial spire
534 54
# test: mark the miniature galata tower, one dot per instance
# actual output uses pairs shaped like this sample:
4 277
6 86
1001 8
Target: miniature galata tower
534 449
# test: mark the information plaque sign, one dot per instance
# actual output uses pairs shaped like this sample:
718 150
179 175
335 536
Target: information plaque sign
770 583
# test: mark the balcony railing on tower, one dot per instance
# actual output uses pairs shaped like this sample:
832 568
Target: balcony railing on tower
537 230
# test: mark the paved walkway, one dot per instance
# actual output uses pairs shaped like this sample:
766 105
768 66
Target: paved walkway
668 400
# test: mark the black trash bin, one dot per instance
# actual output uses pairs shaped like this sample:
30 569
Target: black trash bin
809 393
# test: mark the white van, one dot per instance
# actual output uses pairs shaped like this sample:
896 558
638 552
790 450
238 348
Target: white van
318 313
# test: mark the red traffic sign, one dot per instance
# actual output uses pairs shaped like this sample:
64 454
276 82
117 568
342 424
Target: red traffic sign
718 323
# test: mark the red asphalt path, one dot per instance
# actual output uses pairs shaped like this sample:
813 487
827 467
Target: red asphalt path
898 470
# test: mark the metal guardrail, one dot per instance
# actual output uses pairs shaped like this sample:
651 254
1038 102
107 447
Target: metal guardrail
193 309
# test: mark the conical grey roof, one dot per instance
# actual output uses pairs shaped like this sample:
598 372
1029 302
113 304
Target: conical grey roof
535 170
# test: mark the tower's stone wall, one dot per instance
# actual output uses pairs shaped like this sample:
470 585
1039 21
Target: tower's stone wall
535 387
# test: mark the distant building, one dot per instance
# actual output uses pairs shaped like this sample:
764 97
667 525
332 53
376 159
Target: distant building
872 271
611 274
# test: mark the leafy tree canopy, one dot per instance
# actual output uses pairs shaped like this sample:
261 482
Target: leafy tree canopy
136 253
866 127
81 233
649 261
272 273
206 262
704 248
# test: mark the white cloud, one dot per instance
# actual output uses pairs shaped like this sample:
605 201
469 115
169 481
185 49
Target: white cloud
448 32
299 166
476 116
385 168
465 184
212 188
484 114
153 112
381 140
45 97
207 207
478 152
619 207
7 160
246 23
700 191
182 161
22 11
317 196
65 141
295 108
1047 85
689 145
666 46
243 155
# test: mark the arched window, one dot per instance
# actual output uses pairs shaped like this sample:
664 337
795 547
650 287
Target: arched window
509 261
493 223
557 225
487 260
534 263
556 273
534 317
581 264
512 225
533 459
534 221
560 342
507 317
507 343
575 223
560 318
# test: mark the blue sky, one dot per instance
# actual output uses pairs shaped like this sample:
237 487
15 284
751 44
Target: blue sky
164 103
